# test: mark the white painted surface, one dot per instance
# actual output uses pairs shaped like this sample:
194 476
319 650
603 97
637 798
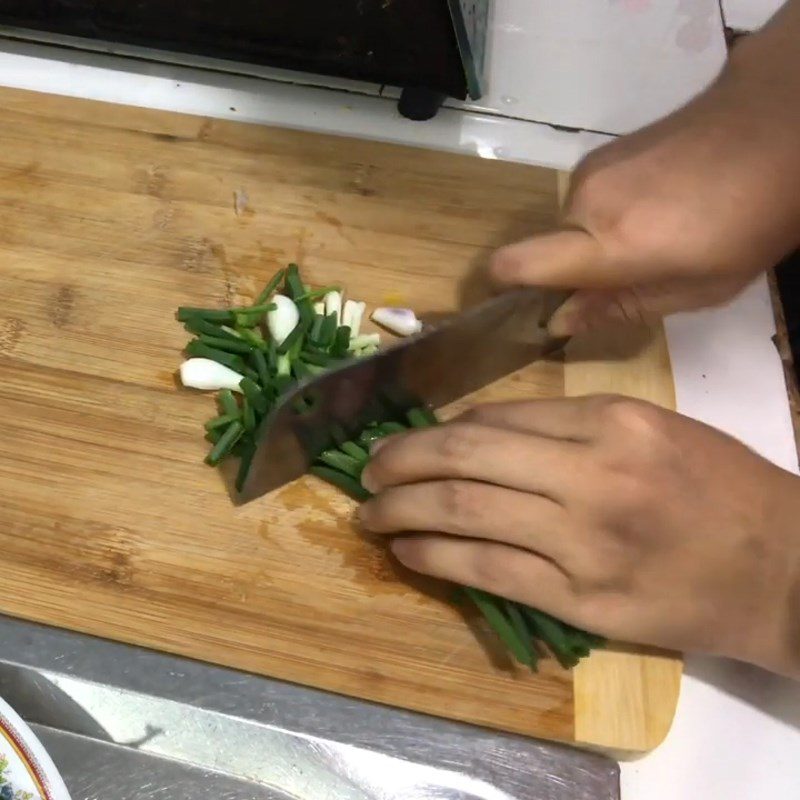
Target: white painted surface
748 15
605 65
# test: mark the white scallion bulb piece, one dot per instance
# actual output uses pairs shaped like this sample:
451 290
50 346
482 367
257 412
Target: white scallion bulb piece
333 305
208 375
402 321
352 316
283 319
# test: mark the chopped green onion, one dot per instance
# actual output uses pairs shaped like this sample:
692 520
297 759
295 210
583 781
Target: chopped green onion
341 341
341 461
222 421
327 331
295 336
186 313
261 368
198 326
254 395
228 402
248 416
228 344
225 444
487 605
200 350
421 418
270 288
254 337
350 486
354 451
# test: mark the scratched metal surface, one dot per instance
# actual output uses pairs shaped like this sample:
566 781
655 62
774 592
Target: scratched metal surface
123 723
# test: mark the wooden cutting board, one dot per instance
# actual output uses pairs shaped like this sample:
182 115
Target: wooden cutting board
111 524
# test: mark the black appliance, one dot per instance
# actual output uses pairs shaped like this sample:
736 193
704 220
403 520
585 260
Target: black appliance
432 49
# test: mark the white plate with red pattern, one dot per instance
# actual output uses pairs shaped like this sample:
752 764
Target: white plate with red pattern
26 771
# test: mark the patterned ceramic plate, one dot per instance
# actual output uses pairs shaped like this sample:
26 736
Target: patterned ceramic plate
26 771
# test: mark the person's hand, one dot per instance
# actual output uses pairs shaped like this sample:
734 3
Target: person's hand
679 215
609 513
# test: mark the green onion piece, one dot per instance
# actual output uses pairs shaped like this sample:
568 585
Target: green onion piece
254 337
297 334
198 325
347 484
185 313
200 350
252 391
300 370
316 327
421 418
225 444
228 344
341 461
255 310
487 605
222 421
318 294
293 283
261 368
248 450
327 332
552 633
316 369
248 416
227 402
272 354
341 341
268 290
320 359
521 629
354 451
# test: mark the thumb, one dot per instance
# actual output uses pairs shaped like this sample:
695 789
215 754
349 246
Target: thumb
568 258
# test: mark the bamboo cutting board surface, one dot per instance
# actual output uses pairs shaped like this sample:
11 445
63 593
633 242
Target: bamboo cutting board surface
111 524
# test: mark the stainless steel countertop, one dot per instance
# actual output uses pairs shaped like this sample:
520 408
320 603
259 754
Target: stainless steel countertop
122 722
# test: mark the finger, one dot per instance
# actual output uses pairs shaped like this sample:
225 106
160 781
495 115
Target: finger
497 568
472 510
570 418
567 259
474 452
592 309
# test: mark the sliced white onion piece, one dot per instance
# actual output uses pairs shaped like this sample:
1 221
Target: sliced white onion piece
283 319
352 316
402 321
208 375
333 304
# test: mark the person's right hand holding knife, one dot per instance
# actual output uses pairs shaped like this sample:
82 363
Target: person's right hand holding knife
610 513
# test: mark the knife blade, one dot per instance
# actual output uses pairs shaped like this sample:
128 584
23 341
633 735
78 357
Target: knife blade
442 364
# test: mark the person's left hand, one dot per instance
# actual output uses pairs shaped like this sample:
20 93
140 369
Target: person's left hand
607 512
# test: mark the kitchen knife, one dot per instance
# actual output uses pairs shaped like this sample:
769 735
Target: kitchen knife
443 363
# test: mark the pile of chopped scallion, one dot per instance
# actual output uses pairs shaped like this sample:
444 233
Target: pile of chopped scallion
252 354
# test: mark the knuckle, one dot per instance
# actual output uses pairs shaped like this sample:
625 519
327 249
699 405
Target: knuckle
634 418
460 503
458 443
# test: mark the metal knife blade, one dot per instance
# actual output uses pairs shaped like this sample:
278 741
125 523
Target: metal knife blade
439 365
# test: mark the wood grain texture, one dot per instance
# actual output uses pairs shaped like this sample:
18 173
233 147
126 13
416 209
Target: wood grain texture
110 523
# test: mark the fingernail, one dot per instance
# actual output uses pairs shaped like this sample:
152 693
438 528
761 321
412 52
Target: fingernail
564 324
368 482
376 445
